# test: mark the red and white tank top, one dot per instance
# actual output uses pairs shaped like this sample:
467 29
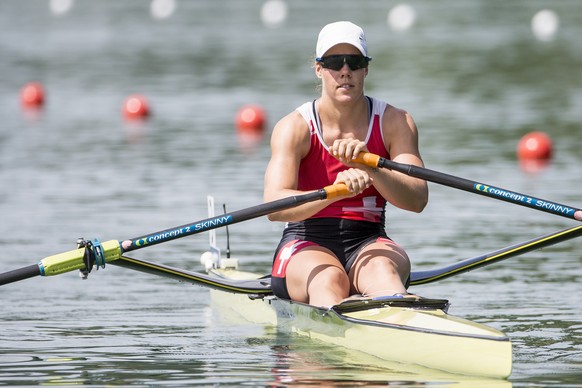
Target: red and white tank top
319 168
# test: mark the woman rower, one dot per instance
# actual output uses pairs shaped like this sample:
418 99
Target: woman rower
338 247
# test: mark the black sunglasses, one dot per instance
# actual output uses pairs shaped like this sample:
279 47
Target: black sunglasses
336 62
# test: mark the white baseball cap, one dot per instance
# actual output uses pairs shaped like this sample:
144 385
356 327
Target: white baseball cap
341 32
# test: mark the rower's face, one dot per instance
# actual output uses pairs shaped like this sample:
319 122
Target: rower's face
344 81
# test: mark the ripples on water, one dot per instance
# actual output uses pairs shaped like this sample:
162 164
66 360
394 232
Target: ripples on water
471 74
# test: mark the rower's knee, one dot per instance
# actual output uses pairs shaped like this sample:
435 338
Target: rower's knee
329 287
334 278
383 271
395 262
401 263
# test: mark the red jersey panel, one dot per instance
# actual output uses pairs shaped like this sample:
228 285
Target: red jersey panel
319 168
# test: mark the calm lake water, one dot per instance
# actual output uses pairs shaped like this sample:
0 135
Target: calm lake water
472 74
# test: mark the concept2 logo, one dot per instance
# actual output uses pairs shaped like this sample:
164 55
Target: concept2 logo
503 193
182 231
524 199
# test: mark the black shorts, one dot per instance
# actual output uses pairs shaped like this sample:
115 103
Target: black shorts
345 238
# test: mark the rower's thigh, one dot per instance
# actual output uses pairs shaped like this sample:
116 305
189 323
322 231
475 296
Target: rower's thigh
381 258
311 268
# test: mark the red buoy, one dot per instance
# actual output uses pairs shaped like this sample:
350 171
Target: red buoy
136 107
535 146
32 95
250 118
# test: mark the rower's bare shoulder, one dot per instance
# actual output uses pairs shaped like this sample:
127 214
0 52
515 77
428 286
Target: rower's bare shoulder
292 118
292 131
397 118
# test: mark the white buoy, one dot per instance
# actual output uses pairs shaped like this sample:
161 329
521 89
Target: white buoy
545 24
60 7
401 17
274 12
162 9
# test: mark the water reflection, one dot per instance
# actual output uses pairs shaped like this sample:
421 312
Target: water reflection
250 142
307 363
303 361
135 131
534 166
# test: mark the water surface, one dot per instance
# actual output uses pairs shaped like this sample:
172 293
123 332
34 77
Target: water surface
471 73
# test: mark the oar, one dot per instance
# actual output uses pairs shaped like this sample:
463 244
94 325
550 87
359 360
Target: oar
108 251
376 161
429 276
262 286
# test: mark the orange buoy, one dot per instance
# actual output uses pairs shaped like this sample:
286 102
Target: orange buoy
32 95
250 118
535 146
136 106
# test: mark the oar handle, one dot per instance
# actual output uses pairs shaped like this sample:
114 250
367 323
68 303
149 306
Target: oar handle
486 190
368 158
334 191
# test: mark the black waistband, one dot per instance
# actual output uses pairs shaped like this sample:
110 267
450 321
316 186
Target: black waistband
329 224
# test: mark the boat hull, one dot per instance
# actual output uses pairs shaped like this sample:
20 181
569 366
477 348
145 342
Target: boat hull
393 330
